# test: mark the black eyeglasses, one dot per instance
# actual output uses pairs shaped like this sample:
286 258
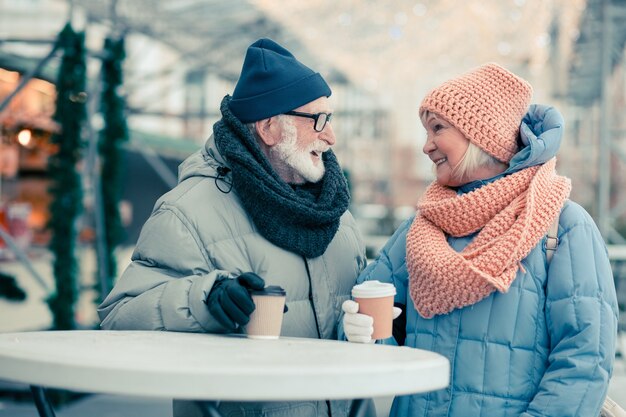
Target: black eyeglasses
320 118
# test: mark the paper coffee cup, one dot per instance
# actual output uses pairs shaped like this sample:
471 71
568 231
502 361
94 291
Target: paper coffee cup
267 318
375 299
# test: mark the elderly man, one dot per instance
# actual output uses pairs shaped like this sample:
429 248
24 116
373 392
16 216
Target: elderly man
264 203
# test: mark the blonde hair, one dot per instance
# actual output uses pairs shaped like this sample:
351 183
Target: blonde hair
473 159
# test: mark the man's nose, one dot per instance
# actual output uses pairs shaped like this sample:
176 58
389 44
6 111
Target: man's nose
328 134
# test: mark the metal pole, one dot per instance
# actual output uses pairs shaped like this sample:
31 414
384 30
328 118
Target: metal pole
155 162
4 234
604 159
41 401
615 236
92 172
209 408
359 408
100 223
27 40
620 207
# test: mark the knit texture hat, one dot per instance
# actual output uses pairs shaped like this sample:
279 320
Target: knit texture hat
272 82
487 105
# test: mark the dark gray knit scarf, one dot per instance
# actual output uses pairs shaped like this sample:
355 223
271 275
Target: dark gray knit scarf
302 219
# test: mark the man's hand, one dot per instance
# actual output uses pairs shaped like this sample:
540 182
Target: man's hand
359 327
230 302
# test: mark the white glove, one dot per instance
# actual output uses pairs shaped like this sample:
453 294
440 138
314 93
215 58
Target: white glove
359 327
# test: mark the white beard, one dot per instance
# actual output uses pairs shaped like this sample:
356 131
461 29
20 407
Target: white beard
299 161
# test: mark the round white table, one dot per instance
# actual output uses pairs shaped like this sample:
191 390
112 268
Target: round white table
198 366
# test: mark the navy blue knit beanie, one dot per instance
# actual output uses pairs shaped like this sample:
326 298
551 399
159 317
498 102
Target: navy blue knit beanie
272 82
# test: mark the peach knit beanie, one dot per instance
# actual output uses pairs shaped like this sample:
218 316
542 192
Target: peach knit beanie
486 104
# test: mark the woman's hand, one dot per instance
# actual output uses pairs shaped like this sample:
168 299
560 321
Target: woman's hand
359 327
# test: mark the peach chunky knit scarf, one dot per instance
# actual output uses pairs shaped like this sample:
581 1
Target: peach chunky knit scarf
512 215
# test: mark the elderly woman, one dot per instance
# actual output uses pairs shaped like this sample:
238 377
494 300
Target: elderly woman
524 336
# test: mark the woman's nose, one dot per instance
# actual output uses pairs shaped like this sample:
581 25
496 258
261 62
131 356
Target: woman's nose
429 146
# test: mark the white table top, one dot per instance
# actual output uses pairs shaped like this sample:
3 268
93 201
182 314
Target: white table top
213 367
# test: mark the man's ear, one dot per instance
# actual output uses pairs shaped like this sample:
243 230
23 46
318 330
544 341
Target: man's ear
269 130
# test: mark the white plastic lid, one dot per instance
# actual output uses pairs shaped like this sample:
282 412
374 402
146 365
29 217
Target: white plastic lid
373 289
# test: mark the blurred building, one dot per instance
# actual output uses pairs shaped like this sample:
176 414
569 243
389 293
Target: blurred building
25 130
380 59
596 94
174 81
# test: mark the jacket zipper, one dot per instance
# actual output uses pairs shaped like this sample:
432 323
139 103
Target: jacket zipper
317 325
308 274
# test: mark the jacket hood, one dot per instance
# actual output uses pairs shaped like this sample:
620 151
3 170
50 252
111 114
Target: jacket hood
203 163
541 132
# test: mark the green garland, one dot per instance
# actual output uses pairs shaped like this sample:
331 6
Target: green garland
65 185
112 136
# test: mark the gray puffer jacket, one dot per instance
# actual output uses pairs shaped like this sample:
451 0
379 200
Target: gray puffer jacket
196 234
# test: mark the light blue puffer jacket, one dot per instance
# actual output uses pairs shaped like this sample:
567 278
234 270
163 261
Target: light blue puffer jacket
544 348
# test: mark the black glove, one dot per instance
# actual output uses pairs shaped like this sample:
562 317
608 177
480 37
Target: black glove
230 302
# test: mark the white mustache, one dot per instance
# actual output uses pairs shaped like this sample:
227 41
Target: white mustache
318 146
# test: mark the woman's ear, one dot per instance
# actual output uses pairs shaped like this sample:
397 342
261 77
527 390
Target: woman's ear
269 130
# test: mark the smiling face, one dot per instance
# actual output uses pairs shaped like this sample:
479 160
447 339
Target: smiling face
446 147
299 165
314 143
297 156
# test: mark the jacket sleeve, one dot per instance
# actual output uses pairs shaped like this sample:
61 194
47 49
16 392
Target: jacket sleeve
390 267
581 318
167 282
